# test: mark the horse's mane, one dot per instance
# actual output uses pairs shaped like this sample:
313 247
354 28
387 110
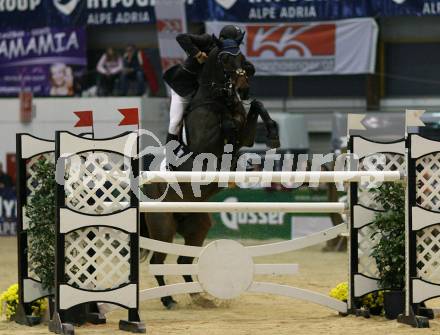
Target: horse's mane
211 71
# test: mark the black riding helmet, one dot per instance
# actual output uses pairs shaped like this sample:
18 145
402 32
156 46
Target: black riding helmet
231 32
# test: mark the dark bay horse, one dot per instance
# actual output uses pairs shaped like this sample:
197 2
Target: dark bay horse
222 85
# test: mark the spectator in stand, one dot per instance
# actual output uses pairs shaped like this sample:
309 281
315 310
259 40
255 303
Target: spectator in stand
109 69
5 180
133 71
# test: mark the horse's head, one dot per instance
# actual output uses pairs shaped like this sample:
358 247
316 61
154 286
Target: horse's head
226 62
231 61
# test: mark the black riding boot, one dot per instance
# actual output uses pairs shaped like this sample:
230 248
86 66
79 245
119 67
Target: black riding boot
175 154
172 137
168 151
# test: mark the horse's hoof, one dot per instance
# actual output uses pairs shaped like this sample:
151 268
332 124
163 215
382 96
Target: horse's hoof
171 306
169 303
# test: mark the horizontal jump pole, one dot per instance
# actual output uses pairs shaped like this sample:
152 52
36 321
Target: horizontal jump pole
215 207
148 177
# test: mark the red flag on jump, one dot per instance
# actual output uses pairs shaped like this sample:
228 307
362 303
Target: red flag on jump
131 116
85 119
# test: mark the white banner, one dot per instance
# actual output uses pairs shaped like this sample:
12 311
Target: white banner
170 21
310 48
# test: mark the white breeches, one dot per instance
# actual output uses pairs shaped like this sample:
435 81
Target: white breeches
178 105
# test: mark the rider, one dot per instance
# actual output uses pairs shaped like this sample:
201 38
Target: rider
182 78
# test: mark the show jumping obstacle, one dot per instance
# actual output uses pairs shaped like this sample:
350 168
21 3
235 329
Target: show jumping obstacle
98 238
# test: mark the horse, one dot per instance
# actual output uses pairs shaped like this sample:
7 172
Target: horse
218 100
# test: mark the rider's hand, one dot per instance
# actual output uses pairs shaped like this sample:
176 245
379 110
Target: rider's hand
201 57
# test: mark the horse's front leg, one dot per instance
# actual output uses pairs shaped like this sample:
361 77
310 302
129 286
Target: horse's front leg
273 140
247 136
161 227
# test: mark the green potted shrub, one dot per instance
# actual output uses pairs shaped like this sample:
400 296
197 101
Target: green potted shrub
389 252
41 212
42 227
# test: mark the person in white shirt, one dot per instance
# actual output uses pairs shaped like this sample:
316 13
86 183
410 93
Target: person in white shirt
109 69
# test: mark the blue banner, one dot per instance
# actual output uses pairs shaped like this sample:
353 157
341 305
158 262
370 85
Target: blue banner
41 60
40 13
288 10
8 211
37 13
316 10
61 13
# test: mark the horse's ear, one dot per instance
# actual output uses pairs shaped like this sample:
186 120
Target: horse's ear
217 41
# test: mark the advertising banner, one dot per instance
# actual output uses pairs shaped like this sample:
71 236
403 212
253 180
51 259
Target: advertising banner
8 211
43 61
315 10
267 225
58 13
288 10
170 22
309 48
38 13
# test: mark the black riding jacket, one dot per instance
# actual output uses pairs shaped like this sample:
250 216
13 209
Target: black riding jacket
184 81
192 44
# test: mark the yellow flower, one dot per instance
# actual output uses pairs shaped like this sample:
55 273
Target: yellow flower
9 302
340 292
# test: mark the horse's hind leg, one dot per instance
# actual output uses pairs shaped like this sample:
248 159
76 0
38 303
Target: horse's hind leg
167 301
161 226
194 229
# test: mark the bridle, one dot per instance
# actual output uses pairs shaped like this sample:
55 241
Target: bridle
222 90
226 89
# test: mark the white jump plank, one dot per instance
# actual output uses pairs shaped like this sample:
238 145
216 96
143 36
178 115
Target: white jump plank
266 176
364 285
192 269
169 248
163 291
298 293
423 290
214 207
70 296
32 146
124 145
33 290
363 147
297 243
157 292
